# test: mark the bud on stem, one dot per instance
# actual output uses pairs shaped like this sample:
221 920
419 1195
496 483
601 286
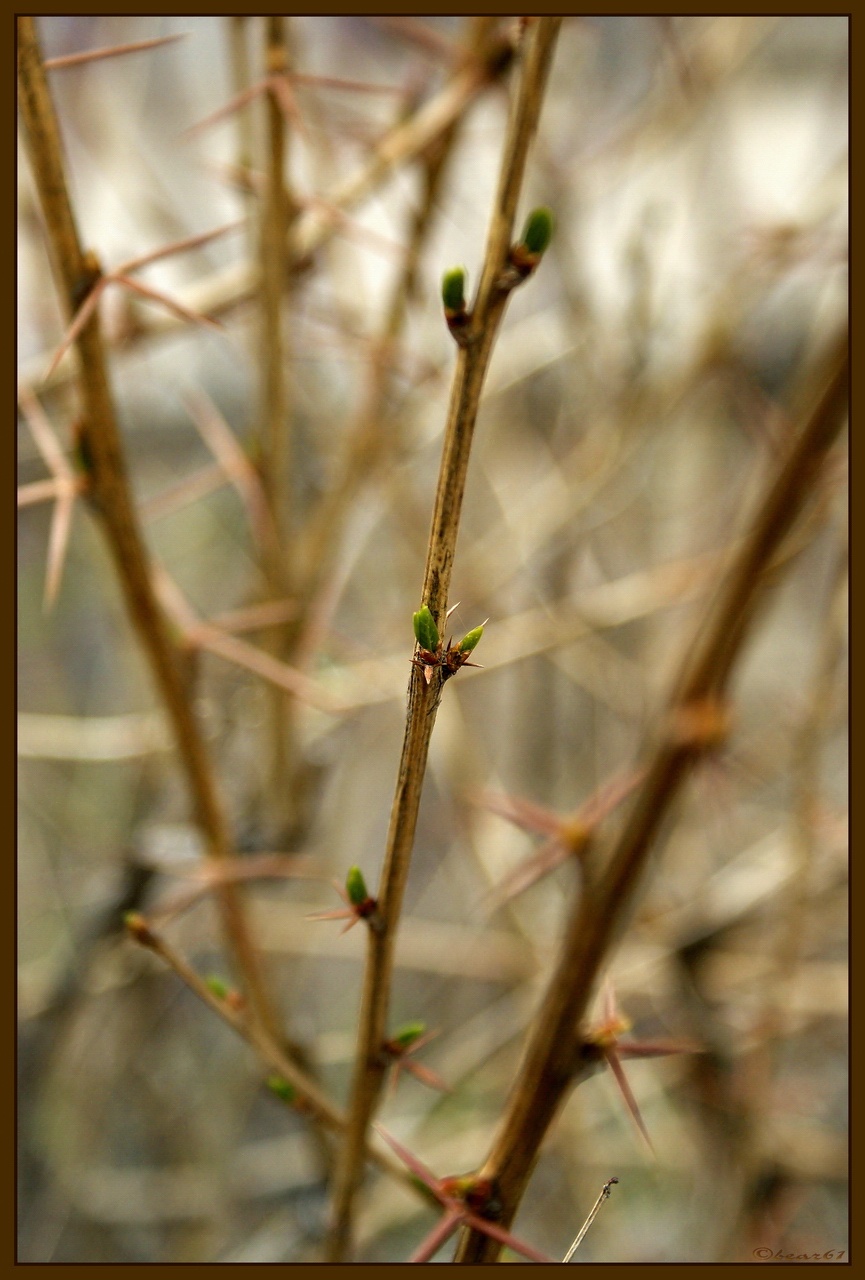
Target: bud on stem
454 292
470 640
281 1087
407 1034
454 303
536 237
425 629
355 887
138 928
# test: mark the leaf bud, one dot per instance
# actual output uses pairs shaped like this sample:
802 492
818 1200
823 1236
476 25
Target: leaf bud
139 929
454 292
280 1086
355 887
425 629
406 1035
538 231
470 640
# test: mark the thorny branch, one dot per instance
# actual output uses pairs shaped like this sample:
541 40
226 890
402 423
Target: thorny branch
472 362
694 717
111 498
309 1093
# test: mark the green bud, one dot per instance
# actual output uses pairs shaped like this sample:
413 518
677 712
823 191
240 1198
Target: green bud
355 887
281 1087
470 640
425 629
408 1033
454 290
538 231
217 986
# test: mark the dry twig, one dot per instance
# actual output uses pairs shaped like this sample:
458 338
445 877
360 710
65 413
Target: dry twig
268 1050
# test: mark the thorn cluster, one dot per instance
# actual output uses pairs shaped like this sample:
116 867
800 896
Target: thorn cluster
432 653
359 904
407 1040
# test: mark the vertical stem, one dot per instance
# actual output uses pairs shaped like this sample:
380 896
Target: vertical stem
273 268
423 699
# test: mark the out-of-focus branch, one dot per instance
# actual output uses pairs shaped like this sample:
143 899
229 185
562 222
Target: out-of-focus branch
276 454
317 225
273 277
313 1099
110 493
693 722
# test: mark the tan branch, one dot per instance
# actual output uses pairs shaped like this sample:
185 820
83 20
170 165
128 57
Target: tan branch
267 1049
695 710
472 362
110 492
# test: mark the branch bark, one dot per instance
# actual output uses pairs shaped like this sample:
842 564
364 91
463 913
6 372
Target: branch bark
423 699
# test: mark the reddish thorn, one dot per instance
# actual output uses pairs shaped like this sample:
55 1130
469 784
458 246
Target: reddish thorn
426 1076
504 1237
622 1081
440 1233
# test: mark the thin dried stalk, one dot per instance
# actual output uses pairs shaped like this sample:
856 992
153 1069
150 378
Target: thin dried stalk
551 1063
423 699
110 493
593 1213
112 51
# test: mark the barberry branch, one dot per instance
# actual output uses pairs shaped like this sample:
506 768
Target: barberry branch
551 1066
110 493
423 697
313 1098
